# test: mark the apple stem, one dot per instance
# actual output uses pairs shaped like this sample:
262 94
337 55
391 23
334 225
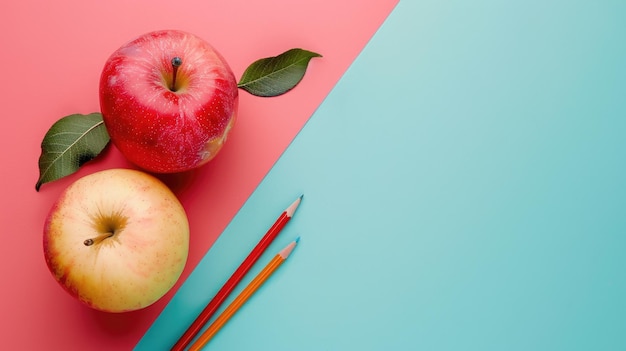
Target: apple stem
176 62
98 239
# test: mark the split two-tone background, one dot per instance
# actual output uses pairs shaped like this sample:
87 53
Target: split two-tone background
463 174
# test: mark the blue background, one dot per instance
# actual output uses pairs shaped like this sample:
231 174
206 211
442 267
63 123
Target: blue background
463 190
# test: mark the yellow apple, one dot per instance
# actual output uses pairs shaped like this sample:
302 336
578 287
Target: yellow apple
117 240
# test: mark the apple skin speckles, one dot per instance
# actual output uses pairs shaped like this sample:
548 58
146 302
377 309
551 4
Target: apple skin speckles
140 240
161 130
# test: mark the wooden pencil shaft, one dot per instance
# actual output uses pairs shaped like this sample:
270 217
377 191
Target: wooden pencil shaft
236 277
241 299
245 294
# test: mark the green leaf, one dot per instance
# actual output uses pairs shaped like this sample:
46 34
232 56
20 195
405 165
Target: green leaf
276 75
68 144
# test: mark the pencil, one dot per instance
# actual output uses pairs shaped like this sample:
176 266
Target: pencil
232 282
248 291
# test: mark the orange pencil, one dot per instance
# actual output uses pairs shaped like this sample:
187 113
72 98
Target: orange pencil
249 290
234 279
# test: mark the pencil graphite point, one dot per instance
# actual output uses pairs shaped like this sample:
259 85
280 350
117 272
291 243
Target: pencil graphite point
236 277
284 253
297 239
292 208
243 296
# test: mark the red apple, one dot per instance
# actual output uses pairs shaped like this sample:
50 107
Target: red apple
168 100
117 240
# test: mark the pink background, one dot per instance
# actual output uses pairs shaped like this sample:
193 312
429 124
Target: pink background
52 54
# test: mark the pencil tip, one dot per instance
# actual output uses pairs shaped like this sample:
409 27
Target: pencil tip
284 253
292 208
297 239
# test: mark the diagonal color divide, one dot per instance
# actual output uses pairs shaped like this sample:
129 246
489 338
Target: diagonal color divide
60 49
487 215
170 323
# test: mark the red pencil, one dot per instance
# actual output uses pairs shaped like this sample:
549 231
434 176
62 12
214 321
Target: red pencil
232 282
